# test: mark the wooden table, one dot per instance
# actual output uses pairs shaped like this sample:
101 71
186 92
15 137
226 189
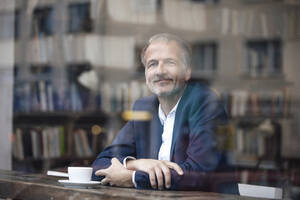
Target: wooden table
17 185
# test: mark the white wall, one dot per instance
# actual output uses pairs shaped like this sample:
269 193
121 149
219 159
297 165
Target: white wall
108 51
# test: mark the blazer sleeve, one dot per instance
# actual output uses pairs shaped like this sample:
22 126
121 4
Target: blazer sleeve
202 156
122 146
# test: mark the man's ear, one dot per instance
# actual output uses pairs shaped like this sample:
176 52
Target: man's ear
188 73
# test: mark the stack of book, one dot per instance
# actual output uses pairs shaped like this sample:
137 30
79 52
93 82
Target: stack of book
243 103
38 143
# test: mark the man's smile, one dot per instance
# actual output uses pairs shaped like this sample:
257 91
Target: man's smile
163 81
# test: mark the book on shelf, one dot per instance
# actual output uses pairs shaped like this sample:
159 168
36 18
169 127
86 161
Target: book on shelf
54 149
62 141
18 151
82 144
239 102
42 95
50 96
27 144
34 139
45 143
86 144
78 146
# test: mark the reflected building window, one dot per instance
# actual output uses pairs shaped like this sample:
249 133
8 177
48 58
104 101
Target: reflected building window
6 25
138 63
79 18
43 21
204 57
264 58
142 6
158 4
17 24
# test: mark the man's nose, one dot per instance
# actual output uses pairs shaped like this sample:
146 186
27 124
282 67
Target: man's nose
161 68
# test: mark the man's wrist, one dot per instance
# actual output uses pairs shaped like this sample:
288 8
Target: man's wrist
130 165
125 164
133 179
128 158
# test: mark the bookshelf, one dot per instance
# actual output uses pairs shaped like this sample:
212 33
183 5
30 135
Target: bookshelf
48 116
55 124
254 135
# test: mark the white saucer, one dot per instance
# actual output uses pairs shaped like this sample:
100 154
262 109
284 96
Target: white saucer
69 183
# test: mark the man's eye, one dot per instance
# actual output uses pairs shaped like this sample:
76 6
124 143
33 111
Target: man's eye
170 62
151 64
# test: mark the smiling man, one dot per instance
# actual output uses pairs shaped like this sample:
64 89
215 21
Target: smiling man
176 149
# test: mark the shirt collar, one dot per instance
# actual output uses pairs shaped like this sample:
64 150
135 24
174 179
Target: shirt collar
161 114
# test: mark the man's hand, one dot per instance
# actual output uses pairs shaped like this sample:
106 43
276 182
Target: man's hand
157 170
116 175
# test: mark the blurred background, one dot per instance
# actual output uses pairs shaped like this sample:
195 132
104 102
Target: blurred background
68 69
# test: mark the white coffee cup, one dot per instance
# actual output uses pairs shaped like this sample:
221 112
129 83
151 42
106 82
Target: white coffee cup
80 174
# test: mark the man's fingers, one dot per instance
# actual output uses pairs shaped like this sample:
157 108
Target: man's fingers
159 178
167 175
101 172
174 166
152 179
104 181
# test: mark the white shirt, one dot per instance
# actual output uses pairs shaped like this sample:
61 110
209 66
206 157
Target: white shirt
168 126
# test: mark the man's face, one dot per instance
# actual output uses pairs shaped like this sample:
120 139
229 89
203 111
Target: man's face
165 72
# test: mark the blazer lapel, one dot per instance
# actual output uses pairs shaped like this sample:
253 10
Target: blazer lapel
156 134
175 131
156 130
178 119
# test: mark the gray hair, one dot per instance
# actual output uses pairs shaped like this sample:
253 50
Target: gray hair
166 37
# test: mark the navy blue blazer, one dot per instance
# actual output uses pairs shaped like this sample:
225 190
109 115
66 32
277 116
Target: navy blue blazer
193 147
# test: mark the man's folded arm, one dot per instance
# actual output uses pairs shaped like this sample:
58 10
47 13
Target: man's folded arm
122 147
202 154
196 170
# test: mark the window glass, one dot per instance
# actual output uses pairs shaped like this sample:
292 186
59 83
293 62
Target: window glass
43 22
79 18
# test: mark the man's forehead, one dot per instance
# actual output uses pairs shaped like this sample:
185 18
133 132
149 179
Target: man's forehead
162 42
158 46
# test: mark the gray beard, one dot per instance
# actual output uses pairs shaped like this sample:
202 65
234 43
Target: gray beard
168 94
